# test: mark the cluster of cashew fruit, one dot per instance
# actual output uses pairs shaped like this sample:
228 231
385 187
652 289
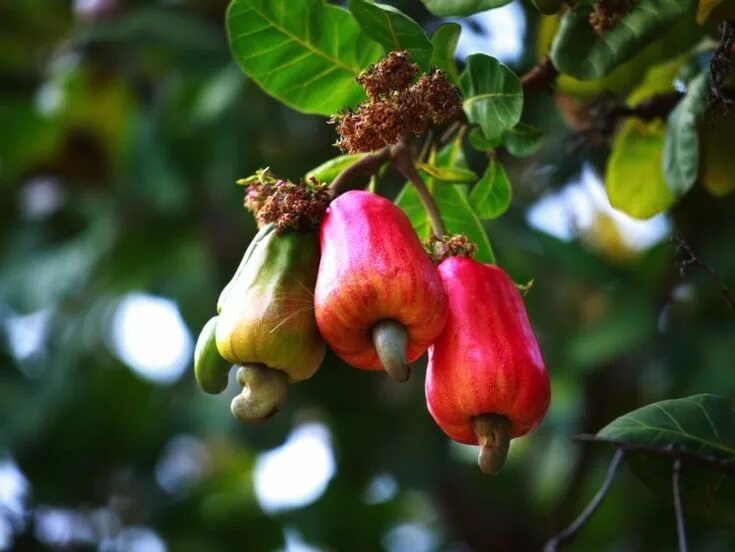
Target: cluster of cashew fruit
365 286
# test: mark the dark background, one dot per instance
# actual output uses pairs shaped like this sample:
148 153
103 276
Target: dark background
121 138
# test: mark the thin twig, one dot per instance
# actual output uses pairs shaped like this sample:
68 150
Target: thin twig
367 166
724 465
403 162
540 78
567 534
678 510
721 67
691 259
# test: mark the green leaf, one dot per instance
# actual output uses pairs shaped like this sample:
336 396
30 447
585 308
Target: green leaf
701 424
393 29
448 174
493 97
445 40
480 143
449 8
305 54
491 197
523 140
579 51
328 171
634 179
451 199
681 152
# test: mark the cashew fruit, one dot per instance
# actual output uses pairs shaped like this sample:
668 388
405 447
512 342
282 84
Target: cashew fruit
266 322
379 301
486 381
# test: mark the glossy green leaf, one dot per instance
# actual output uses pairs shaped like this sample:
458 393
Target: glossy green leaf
491 197
634 180
579 51
444 41
523 140
701 424
681 152
454 206
393 29
328 171
305 54
449 8
493 97
453 175
480 143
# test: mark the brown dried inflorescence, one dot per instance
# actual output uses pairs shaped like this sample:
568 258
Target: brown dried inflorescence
397 106
288 206
457 245
608 13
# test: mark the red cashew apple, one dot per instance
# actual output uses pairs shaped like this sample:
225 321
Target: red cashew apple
379 301
486 381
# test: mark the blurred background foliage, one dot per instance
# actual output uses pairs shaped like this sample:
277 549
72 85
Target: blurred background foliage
123 127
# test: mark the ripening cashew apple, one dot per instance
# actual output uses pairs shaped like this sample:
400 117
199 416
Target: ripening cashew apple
486 381
379 301
266 321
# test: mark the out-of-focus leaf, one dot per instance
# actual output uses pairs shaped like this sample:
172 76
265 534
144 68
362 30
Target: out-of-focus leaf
393 29
493 97
579 51
32 138
480 143
677 39
706 7
717 166
452 202
523 140
328 171
305 54
445 40
448 8
491 197
448 174
625 327
634 179
681 152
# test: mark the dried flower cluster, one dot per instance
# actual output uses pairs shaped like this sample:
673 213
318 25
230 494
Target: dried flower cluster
397 106
289 206
450 246
608 13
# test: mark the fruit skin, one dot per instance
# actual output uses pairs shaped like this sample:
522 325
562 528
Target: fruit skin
487 360
373 268
210 369
266 311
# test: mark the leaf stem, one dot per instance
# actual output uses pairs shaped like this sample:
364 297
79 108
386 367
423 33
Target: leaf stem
725 465
367 166
678 510
567 534
403 162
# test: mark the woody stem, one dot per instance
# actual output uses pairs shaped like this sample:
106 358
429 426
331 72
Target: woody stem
404 163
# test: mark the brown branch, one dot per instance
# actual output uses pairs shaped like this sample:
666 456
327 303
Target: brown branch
721 67
569 533
404 163
540 78
723 465
678 510
682 247
367 166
